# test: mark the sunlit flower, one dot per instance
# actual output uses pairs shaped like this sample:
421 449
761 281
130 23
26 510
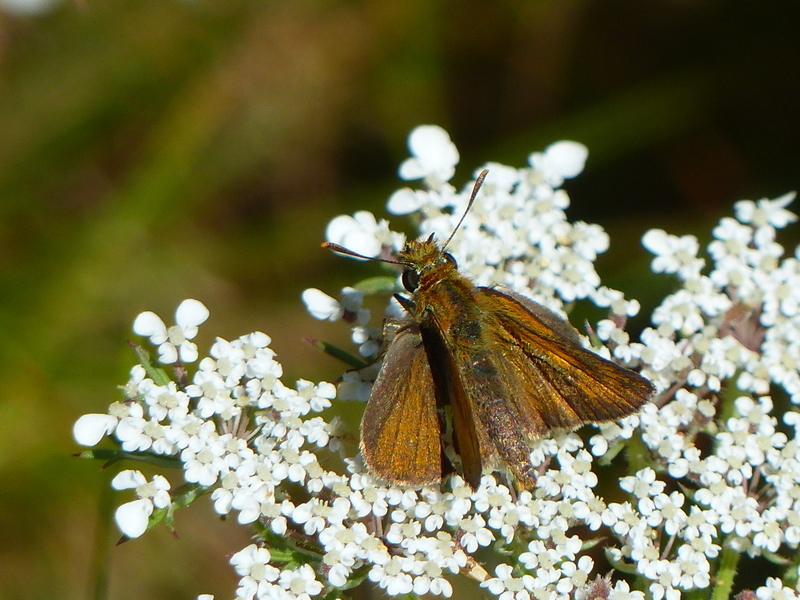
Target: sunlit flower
175 341
713 467
433 156
132 517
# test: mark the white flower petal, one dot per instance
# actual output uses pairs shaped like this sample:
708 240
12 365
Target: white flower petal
149 324
403 202
657 241
128 480
161 499
189 352
248 507
559 161
434 156
567 158
326 390
411 169
500 177
432 145
191 313
222 500
363 243
132 517
90 429
320 305
167 354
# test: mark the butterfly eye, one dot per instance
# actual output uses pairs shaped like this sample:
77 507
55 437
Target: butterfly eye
410 279
450 258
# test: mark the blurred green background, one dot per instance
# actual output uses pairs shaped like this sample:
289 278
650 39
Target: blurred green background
156 150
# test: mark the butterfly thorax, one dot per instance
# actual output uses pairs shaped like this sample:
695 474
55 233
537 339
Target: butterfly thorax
443 298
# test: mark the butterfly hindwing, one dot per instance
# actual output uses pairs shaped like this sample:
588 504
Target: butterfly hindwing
450 385
400 429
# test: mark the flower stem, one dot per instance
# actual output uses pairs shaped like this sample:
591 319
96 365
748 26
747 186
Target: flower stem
727 571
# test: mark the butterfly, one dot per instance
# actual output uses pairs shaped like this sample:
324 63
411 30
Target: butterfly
494 368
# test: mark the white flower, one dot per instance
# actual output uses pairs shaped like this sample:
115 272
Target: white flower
390 576
132 429
174 342
714 466
643 485
776 590
766 212
253 562
360 233
673 254
475 533
300 582
132 518
693 569
575 575
507 587
434 156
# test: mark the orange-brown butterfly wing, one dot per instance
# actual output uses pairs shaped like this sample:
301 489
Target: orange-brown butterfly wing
486 422
558 383
400 429
470 440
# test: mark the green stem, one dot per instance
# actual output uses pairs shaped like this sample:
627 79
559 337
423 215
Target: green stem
638 454
727 571
102 544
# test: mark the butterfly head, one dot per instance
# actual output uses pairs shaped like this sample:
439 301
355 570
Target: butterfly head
424 260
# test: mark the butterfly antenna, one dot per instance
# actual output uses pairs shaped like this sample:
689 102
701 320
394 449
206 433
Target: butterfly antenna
342 250
475 189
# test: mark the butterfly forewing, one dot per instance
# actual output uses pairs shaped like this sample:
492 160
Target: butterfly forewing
558 384
400 430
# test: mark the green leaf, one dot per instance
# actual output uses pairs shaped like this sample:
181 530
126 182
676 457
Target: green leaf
186 494
357 577
776 559
159 515
790 574
377 285
589 544
619 565
287 550
157 374
338 353
114 455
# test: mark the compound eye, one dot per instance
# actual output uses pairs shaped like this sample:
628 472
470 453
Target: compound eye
410 279
449 258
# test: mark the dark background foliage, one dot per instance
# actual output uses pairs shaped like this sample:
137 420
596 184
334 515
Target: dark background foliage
156 150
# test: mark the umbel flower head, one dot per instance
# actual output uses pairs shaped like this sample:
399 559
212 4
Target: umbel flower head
713 467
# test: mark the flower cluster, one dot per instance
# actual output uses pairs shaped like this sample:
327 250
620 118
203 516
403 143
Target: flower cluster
714 460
